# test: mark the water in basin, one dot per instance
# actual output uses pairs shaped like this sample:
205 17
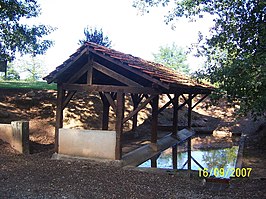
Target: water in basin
211 158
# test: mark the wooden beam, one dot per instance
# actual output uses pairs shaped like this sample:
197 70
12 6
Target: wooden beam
119 124
108 88
141 96
128 68
165 106
183 96
110 100
154 122
186 100
169 96
138 109
59 114
200 101
165 128
67 99
113 95
115 75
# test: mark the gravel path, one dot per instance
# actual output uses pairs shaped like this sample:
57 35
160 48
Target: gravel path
37 176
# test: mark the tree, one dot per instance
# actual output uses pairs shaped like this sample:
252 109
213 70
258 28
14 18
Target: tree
30 67
11 74
172 57
18 37
236 48
96 36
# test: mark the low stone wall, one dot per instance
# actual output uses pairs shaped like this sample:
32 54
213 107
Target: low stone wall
17 135
87 143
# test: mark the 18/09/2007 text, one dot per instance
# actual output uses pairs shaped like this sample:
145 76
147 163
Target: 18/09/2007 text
223 173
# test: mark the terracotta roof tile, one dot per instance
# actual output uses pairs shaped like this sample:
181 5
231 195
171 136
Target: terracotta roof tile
155 70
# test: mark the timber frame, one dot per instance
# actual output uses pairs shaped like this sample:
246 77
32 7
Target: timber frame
94 68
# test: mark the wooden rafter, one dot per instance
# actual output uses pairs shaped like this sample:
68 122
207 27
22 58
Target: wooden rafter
145 76
63 69
115 75
78 74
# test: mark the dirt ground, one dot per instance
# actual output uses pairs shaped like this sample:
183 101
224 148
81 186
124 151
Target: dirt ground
38 176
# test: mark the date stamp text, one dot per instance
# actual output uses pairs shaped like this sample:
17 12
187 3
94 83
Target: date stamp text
225 173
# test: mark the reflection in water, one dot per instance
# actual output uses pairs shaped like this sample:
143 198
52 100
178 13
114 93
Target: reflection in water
210 159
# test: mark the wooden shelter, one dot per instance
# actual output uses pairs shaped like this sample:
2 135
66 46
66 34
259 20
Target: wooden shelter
114 74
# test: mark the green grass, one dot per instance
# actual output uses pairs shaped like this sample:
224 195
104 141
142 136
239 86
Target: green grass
38 85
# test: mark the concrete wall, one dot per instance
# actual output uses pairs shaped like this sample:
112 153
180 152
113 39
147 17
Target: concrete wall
87 143
17 135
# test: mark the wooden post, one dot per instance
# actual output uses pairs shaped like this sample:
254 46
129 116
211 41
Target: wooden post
189 127
105 116
119 124
154 128
59 113
175 115
174 155
90 69
189 110
135 99
189 154
154 162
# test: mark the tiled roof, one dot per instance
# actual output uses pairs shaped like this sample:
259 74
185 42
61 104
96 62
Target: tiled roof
155 70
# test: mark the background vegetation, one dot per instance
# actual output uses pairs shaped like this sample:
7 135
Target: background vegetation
235 49
173 57
38 85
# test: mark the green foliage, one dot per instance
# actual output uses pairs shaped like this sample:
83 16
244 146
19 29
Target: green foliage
12 73
32 67
18 37
235 50
173 57
95 36
38 85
